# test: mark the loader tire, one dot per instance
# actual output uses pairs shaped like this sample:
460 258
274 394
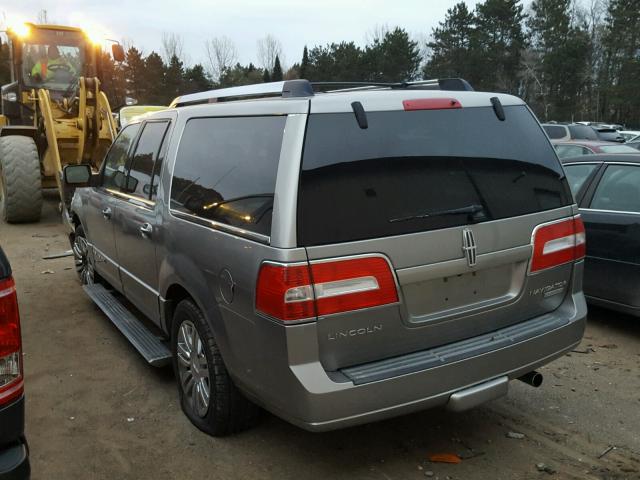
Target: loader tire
20 181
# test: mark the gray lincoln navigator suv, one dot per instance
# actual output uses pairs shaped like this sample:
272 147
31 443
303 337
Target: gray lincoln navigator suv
335 254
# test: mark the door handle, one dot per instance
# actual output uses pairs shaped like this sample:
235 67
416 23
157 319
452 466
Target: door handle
145 230
106 213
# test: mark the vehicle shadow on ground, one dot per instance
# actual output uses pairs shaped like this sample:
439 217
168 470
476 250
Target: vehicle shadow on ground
619 322
394 448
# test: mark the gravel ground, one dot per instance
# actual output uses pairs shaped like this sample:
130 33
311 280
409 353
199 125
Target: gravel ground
95 410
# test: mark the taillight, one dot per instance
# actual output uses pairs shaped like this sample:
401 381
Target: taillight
11 383
558 243
303 291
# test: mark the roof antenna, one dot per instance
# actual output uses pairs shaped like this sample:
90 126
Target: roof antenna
497 108
361 116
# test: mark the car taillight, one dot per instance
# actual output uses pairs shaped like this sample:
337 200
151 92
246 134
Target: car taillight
303 291
11 382
558 243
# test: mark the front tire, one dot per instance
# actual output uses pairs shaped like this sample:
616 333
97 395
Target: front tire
83 259
20 180
208 396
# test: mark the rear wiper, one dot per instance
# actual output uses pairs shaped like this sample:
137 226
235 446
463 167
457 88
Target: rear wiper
468 210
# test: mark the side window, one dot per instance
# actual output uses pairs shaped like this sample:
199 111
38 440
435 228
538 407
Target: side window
226 170
577 175
619 189
157 166
113 174
139 179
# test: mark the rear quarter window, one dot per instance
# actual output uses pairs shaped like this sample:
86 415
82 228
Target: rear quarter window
226 168
411 171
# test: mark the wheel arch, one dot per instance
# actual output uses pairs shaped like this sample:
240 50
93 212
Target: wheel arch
22 130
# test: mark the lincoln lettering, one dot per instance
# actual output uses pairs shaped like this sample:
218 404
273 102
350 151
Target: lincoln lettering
355 332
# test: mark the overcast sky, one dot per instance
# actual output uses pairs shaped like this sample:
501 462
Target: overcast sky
294 22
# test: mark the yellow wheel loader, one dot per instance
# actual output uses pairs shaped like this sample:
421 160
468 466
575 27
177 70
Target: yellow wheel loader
53 114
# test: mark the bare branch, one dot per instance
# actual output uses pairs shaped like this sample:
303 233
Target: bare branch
269 47
222 55
172 44
376 34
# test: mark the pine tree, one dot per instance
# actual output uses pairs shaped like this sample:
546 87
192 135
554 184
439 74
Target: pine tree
395 58
500 40
134 74
266 78
196 80
620 74
154 76
276 76
304 65
112 79
173 79
240 75
562 50
336 62
453 52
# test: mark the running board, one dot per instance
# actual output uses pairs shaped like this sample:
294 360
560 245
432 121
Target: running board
150 346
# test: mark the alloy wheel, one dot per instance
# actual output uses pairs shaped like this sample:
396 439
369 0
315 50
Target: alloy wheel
84 265
193 369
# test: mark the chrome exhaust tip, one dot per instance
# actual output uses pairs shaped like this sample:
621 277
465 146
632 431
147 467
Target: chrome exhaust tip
532 378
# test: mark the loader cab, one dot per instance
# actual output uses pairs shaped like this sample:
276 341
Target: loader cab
45 56
52 60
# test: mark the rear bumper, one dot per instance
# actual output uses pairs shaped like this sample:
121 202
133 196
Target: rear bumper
14 454
14 462
317 400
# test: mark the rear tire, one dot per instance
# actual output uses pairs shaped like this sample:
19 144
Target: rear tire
198 366
20 180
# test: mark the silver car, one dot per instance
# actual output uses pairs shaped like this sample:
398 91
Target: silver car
335 258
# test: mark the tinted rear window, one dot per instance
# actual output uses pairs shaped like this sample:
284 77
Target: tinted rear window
582 132
555 131
226 170
408 170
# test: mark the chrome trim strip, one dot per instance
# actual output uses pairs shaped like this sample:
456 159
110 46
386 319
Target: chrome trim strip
131 275
141 202
221 227
598 210
459 266
106 257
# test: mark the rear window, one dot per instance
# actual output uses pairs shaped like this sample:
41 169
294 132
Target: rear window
582 132
555 132
226 170
422 170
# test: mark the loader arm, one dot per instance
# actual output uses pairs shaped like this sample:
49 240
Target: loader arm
84 138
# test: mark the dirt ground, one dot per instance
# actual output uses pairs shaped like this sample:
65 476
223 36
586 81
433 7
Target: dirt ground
96 410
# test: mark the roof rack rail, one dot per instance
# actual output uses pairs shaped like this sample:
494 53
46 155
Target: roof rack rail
305 88
455 84
285 89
